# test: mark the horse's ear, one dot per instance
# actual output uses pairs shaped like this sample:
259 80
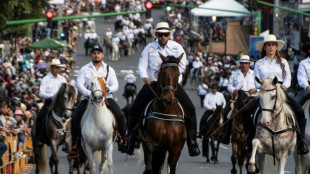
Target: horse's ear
275 81
260 81
163 58
180 57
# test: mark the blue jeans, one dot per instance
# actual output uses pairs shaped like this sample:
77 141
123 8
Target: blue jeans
3 148
20 140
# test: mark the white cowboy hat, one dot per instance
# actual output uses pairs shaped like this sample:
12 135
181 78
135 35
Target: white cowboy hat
270 38
161 27
56 62
245 59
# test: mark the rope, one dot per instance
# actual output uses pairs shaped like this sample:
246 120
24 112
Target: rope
232 116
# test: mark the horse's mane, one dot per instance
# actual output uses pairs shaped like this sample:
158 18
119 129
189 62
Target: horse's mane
58 99
280 93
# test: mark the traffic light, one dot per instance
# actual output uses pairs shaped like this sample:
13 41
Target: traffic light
148 6
168 8
49 16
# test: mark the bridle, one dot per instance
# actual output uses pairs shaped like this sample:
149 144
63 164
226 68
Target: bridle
102 84
164 88
275 104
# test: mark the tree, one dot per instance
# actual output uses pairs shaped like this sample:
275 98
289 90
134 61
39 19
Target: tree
20 9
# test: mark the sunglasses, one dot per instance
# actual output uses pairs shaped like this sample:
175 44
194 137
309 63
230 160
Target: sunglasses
163 34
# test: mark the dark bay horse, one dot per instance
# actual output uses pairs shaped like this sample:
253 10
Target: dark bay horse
164 130
57 130
237 132
130 92
212 132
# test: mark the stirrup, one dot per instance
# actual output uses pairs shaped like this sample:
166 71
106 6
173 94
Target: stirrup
302 148
74 152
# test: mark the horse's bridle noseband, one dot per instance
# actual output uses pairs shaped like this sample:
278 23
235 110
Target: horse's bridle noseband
274 106
168 87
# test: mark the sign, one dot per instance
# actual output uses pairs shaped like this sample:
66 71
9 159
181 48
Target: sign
253 40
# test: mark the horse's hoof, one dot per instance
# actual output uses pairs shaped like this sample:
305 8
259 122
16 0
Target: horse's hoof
216 162
233 171
212 158
208 161
251 168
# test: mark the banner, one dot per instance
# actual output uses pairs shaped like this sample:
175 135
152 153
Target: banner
253 40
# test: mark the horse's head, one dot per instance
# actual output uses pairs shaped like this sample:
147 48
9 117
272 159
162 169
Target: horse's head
218 113
64 101
98 89
168 78
242 99
272 98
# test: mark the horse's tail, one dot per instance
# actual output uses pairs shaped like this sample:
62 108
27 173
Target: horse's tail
140 155
40 156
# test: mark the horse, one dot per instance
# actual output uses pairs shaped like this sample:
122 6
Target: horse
275 132
302 162
164 129
57 130
97 127
237 131
130 91
115 52
118 26
213 131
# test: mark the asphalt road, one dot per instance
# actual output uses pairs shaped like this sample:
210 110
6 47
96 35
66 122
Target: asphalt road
129 164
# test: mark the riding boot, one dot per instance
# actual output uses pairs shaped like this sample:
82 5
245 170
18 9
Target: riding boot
192 144
227 130
248 141
302 148
131 141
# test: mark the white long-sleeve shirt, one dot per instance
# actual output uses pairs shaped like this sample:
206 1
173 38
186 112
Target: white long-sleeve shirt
239 82
85 76
264 68
303 73
211 100
50 85
197 64
150 61
130 78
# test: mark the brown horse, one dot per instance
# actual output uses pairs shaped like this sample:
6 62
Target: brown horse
212 132
164 130
237 132
57 130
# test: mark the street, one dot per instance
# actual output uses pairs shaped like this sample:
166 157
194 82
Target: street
129 164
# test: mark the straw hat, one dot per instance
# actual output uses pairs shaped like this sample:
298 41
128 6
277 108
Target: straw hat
270 38
56 62
161 27
245 59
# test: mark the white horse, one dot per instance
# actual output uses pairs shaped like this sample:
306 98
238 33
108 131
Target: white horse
275 133
115 52
97 127
302 162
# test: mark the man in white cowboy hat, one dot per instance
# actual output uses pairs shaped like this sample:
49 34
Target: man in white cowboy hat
244 80
272 65
109 33
49 86
148 67
303 77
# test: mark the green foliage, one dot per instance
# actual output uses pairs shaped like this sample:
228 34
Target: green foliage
18 10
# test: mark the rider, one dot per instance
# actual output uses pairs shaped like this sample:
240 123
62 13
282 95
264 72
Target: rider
116 40
93 36
109 33
130 79
85 75
242 79
212 99
49 86
148 67
272 65
303 76
86 36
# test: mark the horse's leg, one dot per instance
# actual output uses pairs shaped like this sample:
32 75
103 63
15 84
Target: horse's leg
54 158
90 155
217 152
173 159
69 144
212 149
158 161
149 151
110 157
103 162
282 162
207 149
234 158
256 143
